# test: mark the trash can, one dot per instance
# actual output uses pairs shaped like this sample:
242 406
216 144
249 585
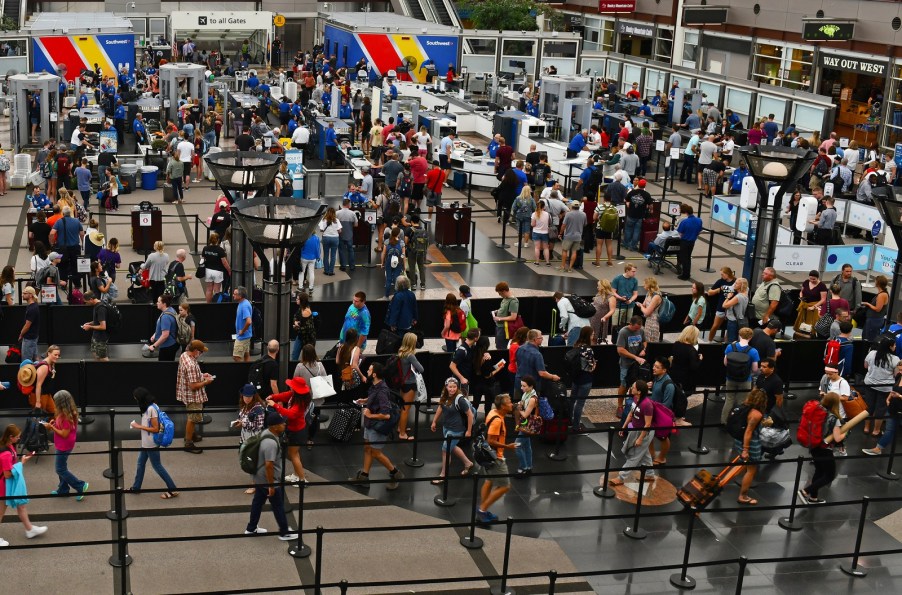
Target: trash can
149 177
459 181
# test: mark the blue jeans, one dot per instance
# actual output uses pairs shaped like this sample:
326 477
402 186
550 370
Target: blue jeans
889 432
67 479
154 455
346 253
210 138
330 247
276 502
296 347
573 335
391 275
30 349
86 198
732 330
524 453
631 233
578 394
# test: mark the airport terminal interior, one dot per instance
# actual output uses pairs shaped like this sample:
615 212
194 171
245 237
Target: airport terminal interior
658 241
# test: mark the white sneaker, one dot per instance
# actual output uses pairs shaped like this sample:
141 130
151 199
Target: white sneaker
35 531
291 478
257 530
3 542
288 537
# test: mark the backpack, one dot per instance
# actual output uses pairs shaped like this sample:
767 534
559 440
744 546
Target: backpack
738 362
546 412
182 330
811 427
831 353
737 421
394 376
609 220
483 453
666 310
286 189
174 287
393 206
574 361
75 297
34 437
522 209
257 323
46 172
663 419
581 307
249 452
822 168
46 273
419 240
255 374
596 179
463 411
165 434
393 255
113 317
458 321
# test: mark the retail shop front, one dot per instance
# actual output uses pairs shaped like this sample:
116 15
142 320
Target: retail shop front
856 82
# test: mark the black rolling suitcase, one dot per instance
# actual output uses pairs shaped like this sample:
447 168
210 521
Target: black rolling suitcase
168 193
344 422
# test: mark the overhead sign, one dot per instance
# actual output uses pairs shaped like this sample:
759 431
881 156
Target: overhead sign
616 5
797 258
278 20
215 20
851 64
705 15
636 29
827 31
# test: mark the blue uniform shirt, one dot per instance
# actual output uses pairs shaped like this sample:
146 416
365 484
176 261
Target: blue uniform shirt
493 147
331 138
284 107
393 91
344 111
82 100
253 82
533 109
689 228
577 143
119 114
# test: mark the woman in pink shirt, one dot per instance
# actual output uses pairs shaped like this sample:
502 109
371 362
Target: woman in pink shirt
64 427
8 460
755 134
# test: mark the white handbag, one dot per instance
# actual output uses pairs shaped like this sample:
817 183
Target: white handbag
422 395
321 387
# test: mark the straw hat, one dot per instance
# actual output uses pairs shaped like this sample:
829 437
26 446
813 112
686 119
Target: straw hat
27 375
96 238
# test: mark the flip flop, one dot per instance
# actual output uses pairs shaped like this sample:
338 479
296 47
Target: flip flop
660 462
169 495
406 438
747 501
437 482
249 491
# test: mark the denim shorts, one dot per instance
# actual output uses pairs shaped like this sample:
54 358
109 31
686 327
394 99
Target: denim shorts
539 237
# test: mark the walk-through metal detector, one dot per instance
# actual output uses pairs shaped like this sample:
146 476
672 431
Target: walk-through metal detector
181 78
23 87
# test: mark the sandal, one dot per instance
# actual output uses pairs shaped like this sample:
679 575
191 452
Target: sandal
169 495
467 470
310 445
250 491
400 437
660 462
437 482
132 490
747 501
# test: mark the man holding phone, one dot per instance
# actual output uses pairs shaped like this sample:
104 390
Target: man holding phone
189 389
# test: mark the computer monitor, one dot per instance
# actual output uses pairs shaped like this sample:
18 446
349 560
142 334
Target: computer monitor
517 64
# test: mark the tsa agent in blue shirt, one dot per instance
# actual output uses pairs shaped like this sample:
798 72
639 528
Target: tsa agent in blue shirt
83 100
689 228
139 130
736 178
576 144
353 194
645 110
393 91
327 100
493 145
598 104
253 82
344 110
532 108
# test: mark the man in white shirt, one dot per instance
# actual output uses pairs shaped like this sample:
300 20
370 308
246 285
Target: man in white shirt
300 138
548 190
366 185
571 324
185 150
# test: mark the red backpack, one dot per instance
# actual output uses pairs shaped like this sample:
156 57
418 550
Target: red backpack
458 321
811 427
831 353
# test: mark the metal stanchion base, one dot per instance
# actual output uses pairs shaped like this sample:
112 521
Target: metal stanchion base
639 533
604 492
439 501
412 462
322 418
206 420
475 544
300 550
678 581
473 260
113 516
858 571
556 455
708 270
499 591
430 410
716 399
86 420
117 563
699 450
889 476
502 246
109 474
790 396
793 525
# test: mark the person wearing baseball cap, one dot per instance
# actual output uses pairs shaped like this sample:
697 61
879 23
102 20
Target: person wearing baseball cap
293 404
637 202
267 478
28 336
832 382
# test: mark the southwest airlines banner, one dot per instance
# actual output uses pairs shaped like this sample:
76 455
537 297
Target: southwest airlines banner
78 52
388 51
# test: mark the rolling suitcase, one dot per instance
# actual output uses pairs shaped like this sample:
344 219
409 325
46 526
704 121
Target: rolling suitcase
704 487
388 342
555 430
345 421
168 193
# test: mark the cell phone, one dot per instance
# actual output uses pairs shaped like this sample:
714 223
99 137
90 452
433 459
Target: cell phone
234 423
5 384
501 362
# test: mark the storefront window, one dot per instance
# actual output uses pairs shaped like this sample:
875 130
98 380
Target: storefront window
783 66
664 45
892 132
690 48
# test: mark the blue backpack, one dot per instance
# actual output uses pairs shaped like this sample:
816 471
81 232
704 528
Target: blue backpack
166 433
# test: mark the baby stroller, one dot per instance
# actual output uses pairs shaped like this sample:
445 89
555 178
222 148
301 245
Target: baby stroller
139 290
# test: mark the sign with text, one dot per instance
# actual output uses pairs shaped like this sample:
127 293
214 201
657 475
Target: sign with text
635 29
216 20
850 64
823 31
616 5
797 258
705 15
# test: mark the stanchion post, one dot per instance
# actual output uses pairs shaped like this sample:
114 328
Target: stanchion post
699 448
443 499
318 567
473 259
700 196
604 490
120 559
83 417
299 549
471 542
503 589
118 511
743 562
790 523
636 532
343 586
708 268
788 394
469 188
112 472
556 454
682 580
503 243
552 581
619 255
413 461
718 398
854 569
520 241
196 229
889 474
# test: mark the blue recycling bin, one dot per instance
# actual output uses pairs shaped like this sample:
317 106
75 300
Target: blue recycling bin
149 177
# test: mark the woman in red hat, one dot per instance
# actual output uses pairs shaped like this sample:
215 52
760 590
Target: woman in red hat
297 401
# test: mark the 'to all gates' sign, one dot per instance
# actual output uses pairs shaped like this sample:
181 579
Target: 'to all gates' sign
616 5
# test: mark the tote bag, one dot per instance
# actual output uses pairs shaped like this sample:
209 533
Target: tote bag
321 387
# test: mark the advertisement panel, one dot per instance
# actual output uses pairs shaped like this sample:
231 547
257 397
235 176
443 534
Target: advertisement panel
79 52
389 51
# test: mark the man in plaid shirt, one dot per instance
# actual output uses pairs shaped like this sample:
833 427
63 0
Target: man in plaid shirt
189 389
645 142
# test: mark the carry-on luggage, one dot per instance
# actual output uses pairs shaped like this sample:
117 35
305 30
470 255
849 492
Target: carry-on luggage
704 487
168 193
388 342
344 422
555 430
